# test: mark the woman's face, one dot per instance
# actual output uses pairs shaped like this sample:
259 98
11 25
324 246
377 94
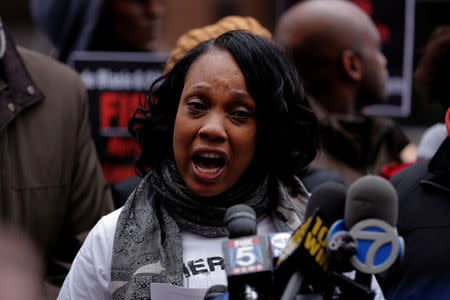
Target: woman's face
214 139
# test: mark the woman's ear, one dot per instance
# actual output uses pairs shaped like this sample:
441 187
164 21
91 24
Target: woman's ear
352 64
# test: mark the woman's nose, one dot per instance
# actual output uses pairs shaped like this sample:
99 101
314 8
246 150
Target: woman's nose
213 129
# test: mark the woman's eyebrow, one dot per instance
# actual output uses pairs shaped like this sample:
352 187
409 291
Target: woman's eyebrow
240 94
201 86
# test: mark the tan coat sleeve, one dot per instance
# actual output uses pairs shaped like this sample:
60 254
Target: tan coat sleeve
56 185
88 199
91 197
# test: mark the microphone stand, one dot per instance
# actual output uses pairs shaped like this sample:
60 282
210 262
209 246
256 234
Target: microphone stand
250 293
351 290
293 288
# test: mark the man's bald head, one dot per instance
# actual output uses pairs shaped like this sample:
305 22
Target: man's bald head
318 33
328 22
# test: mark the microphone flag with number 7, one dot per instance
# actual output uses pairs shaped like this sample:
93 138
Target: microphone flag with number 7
371 211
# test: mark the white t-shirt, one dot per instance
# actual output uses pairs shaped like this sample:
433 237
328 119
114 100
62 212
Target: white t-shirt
90 274
203 264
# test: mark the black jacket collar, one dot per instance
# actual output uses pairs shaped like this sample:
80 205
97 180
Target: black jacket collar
17 89
439 168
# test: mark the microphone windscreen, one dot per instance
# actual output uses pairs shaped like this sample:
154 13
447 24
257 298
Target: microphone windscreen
329 199
240 221
215 291
371 197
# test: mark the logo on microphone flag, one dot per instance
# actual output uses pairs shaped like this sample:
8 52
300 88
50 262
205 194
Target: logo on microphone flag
245 255
378 246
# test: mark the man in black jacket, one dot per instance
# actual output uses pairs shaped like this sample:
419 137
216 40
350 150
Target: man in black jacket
424 222
424 194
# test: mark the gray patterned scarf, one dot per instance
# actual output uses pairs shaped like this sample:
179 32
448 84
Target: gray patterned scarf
147 243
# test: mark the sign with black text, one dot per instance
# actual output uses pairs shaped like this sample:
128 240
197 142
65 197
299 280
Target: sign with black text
116 83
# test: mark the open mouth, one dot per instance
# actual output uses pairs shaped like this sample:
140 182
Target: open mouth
208 163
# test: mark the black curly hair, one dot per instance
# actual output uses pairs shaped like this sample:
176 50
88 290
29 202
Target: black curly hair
432 75
286 126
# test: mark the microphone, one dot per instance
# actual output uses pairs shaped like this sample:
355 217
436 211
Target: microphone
371 210
240 221
303 265
371 197
216 292
247 262
341 246
277 243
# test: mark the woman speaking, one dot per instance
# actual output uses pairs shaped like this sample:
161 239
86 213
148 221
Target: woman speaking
228 124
